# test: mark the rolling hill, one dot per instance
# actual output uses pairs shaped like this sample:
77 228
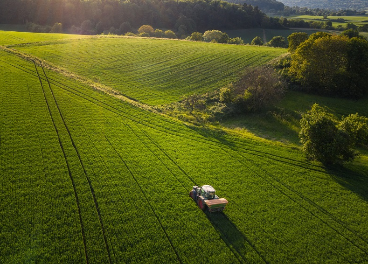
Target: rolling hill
89 177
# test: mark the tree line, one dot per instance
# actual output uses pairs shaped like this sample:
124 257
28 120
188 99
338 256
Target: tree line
197 15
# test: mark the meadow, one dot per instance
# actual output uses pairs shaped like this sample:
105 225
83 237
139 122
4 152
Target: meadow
86 177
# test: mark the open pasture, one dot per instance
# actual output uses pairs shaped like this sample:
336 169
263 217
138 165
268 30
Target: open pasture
87 178
153 71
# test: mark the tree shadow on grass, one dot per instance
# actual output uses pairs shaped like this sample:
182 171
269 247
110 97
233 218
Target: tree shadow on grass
276 124
353 177
215 134
242 247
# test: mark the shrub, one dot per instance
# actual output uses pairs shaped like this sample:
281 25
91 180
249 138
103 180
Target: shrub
257 41
226 94
295 39
144 34
277 42
215 36
258 89
236 41
159 33
170 34
357 128
146 29
196 36
322 140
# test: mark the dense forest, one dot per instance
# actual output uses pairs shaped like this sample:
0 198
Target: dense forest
197 15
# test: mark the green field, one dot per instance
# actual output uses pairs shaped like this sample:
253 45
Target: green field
86 177
357 20
153 71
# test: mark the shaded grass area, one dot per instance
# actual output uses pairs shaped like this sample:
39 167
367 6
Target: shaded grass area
282 122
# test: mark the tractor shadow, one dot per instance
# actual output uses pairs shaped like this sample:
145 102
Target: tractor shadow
234 239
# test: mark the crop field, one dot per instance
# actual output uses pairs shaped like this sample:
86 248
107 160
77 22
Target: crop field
12 37
88 178
153 71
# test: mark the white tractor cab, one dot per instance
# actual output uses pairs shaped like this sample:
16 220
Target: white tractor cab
206 198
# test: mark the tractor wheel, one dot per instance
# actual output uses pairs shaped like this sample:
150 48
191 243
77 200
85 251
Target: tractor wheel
201 204
191 194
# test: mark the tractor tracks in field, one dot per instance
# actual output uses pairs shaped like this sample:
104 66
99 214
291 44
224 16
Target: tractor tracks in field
147 200
299 198
296 196
124 116
69 169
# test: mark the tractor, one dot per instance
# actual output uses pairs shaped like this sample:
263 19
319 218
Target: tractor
206 198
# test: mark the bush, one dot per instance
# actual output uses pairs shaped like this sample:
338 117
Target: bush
257 41
258 89
170 34
226 94
215 36
144 34
196 36
131 34
277 42
321 138
295 39
159 33
236 41
357 128
146 29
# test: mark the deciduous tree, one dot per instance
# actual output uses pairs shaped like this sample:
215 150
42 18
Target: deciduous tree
321 138
295 39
